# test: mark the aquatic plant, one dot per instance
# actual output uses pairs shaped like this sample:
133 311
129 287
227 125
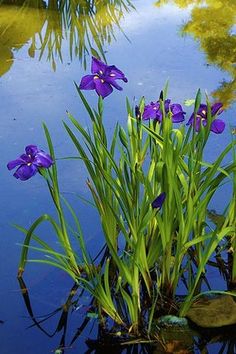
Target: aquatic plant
159 248
152 190
36 160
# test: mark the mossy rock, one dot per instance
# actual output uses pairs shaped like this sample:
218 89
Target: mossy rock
172 321
213 312
174 335
171 327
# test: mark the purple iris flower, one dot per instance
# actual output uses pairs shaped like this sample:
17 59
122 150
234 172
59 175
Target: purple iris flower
177 112
217 125
103 78
157 203
153 111
30 162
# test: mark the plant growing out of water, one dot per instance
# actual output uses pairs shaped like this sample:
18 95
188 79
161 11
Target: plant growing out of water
150 250
152 190
36 160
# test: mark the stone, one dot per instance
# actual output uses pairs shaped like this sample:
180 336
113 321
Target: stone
213 312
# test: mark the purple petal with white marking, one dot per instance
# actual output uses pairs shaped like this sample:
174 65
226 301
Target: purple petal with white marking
103 88
115 73
43 160
216 108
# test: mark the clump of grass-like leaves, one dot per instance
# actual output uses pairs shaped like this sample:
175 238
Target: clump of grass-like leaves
152 190
152 249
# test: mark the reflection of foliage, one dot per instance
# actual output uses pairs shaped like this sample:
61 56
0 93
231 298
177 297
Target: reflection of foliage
180 3
212 26
17 26
94 18
226 92
88 25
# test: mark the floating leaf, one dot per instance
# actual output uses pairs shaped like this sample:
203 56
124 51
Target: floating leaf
189 102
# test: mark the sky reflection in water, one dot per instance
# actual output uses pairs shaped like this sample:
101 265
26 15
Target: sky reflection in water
40 57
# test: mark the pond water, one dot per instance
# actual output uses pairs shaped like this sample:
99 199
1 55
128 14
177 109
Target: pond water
43 50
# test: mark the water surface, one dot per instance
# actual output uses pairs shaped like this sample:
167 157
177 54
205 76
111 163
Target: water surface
44 48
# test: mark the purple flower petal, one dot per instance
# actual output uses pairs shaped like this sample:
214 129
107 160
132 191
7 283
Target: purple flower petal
31 150
149 113
216 108
87 83
167 105
103 78
98 67
43 160
191 119
152 111
177 113
103 88
217 126
198 122
178 117
25 172
14 163
114 84
30 162
157 203
202 111
114 73
176 108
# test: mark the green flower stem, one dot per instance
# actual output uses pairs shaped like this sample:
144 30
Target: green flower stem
52 182
63 235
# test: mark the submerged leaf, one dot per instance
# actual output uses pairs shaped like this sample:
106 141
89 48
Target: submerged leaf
92 315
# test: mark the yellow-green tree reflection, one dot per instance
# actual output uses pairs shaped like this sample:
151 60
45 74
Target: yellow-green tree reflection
17 26
212 25
87 24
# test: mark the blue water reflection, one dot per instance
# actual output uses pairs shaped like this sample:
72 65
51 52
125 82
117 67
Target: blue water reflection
31 92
